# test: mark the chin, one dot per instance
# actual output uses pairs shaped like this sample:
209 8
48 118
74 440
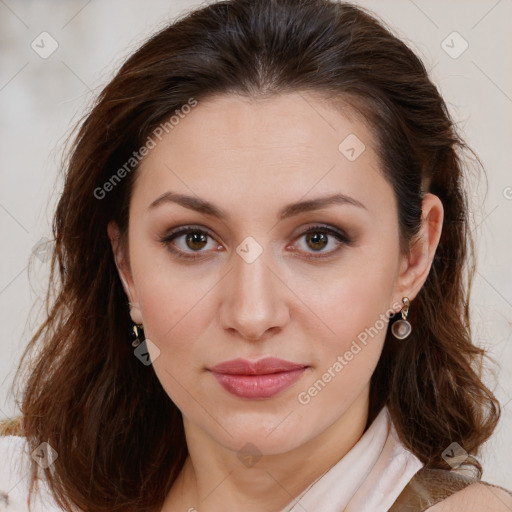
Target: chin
274 440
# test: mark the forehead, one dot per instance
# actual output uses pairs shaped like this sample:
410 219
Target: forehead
232 147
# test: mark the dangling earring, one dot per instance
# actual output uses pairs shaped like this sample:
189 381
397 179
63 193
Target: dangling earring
138 331
138 335
402 328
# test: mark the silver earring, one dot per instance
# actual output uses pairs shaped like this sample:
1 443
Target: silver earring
402 328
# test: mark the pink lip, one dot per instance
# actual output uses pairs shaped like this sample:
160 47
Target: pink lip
257 379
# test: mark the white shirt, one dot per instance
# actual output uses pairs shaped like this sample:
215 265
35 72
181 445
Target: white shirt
367 479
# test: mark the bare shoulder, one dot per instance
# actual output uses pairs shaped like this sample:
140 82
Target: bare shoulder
477 497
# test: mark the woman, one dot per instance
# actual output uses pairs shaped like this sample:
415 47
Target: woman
269 195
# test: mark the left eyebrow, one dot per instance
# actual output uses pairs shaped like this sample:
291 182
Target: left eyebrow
290 210
317 204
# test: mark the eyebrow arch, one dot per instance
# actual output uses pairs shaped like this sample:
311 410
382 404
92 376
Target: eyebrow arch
290 210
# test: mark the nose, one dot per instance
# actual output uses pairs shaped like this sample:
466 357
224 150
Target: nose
254 304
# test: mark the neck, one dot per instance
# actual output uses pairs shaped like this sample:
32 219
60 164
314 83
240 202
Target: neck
213 478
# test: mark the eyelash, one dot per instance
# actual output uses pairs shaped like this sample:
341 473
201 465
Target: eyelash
340 236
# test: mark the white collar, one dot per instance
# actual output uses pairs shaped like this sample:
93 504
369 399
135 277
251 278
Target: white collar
367 479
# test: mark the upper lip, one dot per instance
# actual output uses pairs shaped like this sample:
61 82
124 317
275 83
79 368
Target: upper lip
261 367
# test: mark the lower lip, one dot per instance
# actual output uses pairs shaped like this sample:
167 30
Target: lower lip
258 386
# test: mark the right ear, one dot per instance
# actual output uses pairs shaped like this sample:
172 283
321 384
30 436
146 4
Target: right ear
123 269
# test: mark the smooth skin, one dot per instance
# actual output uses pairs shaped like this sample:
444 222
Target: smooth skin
251 158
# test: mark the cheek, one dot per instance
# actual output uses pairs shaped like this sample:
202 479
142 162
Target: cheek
178 308
356 314
170 295
176 316
354 308
351 300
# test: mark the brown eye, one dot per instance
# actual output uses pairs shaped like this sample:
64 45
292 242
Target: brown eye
185 241
196 240
317 238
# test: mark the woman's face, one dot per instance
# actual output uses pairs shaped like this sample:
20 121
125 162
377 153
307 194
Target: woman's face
252 283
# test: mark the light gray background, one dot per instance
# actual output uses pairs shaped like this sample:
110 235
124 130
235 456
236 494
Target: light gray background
41 99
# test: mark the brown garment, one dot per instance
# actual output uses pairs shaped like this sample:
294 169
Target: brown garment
430 486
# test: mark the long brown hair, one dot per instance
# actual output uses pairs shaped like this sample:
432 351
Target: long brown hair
119 438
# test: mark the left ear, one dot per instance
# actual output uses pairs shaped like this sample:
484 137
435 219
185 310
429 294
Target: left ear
415 267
